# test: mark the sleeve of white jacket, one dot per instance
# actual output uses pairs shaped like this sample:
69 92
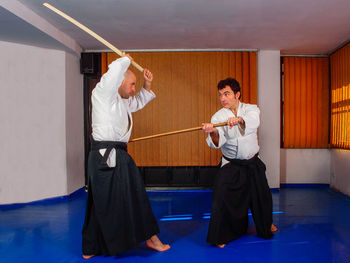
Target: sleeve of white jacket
251 119
139 101
113 78
222 138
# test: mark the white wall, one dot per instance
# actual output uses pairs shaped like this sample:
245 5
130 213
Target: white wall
74 124
340 171
41 134
33 154
269 103
305 166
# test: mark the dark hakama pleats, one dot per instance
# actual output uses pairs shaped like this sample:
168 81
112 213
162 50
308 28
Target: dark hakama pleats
240 185
118 213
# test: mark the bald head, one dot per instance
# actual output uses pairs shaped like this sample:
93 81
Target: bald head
129 75
128 86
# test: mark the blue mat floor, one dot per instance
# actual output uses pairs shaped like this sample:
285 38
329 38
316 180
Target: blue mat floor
313 223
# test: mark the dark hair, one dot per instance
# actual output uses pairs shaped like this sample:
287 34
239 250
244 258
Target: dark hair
232 83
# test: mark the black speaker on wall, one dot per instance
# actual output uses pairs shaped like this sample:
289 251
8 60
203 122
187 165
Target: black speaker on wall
90 63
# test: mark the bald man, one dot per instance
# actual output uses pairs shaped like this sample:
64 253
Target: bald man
118 213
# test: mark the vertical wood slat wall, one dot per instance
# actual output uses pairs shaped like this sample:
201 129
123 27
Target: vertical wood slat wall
306 102
340 98
185 84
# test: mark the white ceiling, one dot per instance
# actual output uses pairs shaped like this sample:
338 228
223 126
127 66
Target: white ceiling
304 27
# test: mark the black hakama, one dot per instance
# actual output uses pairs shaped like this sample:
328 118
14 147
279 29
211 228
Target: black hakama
239 185
118 213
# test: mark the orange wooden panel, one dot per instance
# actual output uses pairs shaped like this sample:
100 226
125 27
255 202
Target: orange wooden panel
286 107
306 96
104 64
341 98
340 107
298 104
333 85
308 102
325 103
338 99
292 98
347 96
314 111
185 84
303 104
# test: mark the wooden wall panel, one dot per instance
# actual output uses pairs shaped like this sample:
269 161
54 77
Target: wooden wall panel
306 102
185 84
340 98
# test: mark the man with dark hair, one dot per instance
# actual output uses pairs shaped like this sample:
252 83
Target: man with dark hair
241 181
232 83
118 213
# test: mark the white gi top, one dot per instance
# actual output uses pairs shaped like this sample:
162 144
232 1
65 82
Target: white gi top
111 114
237 143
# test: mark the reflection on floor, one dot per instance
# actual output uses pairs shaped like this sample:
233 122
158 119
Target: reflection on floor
313 223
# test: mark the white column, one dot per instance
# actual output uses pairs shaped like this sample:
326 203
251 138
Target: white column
41 116
269 104
32 117
74 124
340 171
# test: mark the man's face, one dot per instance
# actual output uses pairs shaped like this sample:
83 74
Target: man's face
128 86
228 99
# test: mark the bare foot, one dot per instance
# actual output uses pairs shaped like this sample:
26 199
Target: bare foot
88 256
273 228
156 244
221 245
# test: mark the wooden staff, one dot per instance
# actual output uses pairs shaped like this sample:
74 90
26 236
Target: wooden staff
90 32
175 132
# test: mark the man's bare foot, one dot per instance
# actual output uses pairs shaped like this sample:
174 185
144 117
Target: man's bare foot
88 256
273 228
156 244
221 245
